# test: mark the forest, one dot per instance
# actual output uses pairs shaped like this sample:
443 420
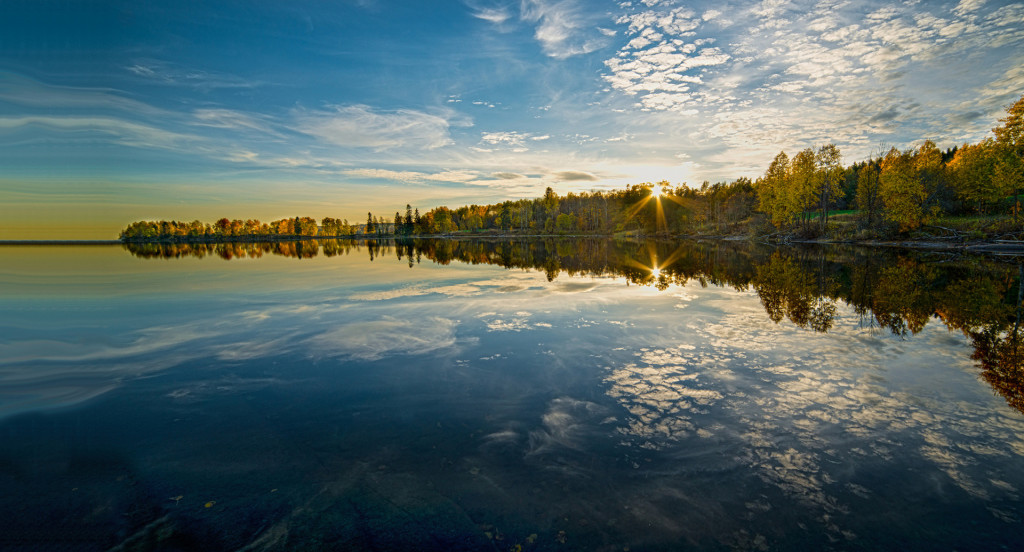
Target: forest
964 192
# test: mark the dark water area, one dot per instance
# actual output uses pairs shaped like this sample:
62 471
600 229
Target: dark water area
508 395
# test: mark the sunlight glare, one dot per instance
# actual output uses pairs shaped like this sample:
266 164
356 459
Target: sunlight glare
657 191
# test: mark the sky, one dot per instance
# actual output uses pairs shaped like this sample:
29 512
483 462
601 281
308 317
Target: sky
112 112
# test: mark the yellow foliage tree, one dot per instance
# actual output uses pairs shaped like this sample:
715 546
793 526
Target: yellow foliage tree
803 184
772 191
901 190
971 169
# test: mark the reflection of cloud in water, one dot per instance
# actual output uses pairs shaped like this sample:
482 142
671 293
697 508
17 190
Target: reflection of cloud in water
248 350
804 415
514 322
512 283
661 394
567 426
386 294
40 371
388 336
52 376
684 297
575 286
231 384
145 341
39 374
455 290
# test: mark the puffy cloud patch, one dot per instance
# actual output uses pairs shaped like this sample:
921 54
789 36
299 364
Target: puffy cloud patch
792 72
660 64
516 141
738 379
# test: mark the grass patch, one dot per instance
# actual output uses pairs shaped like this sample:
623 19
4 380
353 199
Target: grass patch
831 214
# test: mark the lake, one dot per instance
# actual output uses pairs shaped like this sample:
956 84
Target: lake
508 395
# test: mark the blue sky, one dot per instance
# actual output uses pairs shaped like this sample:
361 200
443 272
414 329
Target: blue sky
118 111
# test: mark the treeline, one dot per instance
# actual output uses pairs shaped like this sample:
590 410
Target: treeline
299 227
897 191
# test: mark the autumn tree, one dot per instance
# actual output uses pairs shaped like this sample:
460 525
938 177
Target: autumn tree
1008 171
901 190
803 183
772 190
443 221
972 172
223 227
305 226
830 179
931 172
868 198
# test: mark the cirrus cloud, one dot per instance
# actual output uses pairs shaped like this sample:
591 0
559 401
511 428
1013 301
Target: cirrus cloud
361 126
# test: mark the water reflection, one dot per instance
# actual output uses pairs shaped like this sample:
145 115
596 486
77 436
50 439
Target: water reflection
898 291
508 395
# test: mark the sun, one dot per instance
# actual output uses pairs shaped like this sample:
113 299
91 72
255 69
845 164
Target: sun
657 191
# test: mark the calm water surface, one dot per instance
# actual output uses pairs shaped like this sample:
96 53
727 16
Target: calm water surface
507 396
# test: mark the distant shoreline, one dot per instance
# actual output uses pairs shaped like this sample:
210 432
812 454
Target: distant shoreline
60 242
1005 247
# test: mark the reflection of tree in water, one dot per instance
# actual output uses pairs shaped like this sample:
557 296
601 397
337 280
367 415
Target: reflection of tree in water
997 345
902 296
787 290
898 291
1000 357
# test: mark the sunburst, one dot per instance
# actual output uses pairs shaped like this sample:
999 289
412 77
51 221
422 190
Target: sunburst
657 193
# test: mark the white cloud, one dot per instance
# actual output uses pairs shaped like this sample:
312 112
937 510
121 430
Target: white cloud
511 139
412 177
387 174
575 176
493 15
178 75
792 72
360 126
234 120
119 131
968 6
564 28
